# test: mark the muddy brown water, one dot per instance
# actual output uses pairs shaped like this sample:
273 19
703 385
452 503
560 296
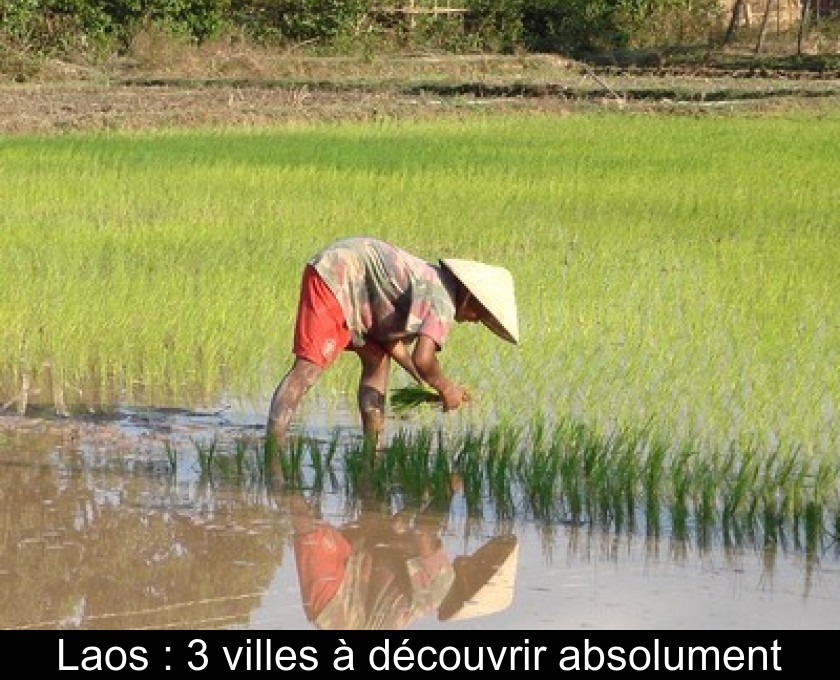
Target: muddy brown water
99 531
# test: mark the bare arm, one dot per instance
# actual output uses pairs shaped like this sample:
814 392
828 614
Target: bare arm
398 352
430 371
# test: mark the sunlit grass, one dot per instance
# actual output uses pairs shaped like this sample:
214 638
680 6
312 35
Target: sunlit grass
673 274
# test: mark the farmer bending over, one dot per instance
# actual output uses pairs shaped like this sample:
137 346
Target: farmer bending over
377 300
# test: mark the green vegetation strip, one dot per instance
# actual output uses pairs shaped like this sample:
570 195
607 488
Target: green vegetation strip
629 481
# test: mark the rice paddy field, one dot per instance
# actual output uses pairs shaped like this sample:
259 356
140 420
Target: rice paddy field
679 308
675 274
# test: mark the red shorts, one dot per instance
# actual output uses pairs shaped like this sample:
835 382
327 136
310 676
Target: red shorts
321 332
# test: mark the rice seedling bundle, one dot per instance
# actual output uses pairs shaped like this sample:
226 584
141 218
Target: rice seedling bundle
408 397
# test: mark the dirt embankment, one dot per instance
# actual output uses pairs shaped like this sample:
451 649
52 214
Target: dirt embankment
64 98
48 108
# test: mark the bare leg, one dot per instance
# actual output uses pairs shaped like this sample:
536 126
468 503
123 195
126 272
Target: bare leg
287 395
373 383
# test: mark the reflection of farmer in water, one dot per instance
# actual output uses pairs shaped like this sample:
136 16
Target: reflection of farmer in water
383 572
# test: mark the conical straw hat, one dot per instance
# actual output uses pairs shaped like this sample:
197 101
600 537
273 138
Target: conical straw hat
484 581
493 287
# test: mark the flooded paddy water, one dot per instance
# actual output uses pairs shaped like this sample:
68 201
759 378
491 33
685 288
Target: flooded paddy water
113 521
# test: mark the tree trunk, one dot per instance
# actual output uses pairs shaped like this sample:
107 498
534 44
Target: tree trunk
803 25
763 30
733 21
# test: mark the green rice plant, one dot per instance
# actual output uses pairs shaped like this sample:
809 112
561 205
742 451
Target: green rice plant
787 474
781 478
794 476
288 461
443 478
539 470
606 478
240 460
205 455
813 527
615 495
740 475
321 461
357 462
408 397
825 487
680 481
412 464
705 497
625 459
591 450
408 461
240 457
368 470
467 464
819 493
501 455
775 473
572 482
317 463
603 483
171 452
652 480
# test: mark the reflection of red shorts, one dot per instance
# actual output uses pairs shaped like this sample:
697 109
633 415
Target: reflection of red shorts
320 330
321 557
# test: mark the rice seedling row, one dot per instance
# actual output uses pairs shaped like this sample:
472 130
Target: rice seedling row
629 482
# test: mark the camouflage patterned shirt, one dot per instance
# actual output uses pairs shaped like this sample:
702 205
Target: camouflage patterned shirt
387 293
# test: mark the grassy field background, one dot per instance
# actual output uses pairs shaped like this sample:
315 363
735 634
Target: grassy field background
672 271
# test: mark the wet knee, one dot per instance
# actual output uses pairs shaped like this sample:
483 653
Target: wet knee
371 400
372 410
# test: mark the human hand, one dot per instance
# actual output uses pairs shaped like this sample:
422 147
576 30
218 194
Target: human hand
453 396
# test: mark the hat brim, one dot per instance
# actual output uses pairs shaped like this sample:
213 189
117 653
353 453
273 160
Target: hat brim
495 325
484 581
493 287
